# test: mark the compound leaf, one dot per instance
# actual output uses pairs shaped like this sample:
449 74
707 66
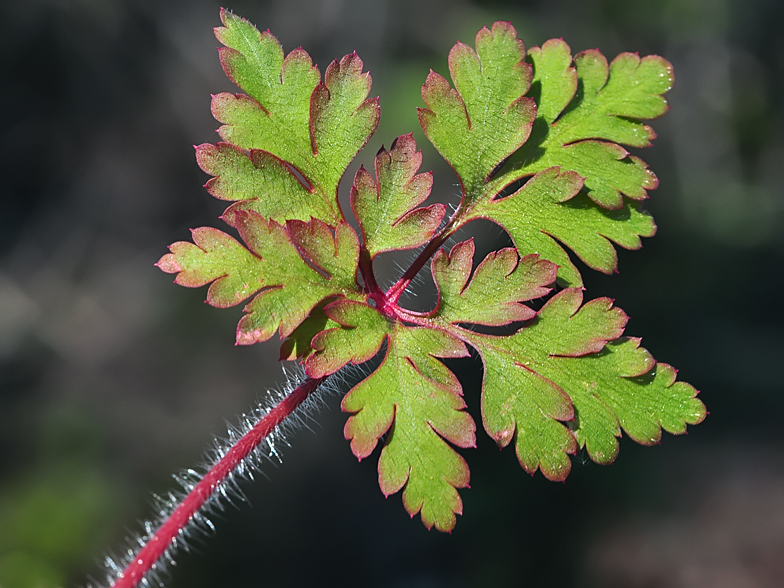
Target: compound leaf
260 182
386 207
562 378
570 365
314 127
215 257
289 287
587 111
550 208
416 400
486 118
495 293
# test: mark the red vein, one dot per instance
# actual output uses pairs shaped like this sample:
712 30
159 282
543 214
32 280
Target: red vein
154 549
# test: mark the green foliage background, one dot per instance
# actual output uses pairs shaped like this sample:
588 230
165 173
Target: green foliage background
111 379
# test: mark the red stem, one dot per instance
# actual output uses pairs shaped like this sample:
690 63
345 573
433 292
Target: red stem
366 269
394 293
201 493
454 223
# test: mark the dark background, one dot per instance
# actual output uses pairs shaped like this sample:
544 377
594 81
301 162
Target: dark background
111 378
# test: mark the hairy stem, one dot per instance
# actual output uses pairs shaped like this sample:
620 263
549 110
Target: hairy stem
155 548
397 289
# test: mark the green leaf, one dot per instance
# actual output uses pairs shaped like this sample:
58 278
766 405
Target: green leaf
608 169
411 395
260 182
497 289
612 391
486 117
554 79
520 404
334 254
358 335
550 209
611 101
587 111
414 399
570 363
386 207
290 287
315 127
342 118
215 257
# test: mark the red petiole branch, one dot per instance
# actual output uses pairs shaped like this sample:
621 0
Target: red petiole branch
155 548
366 270
397 289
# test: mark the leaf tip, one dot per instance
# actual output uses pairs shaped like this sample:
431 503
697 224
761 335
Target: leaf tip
168 263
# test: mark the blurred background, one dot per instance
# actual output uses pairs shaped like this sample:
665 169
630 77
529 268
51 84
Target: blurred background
111 378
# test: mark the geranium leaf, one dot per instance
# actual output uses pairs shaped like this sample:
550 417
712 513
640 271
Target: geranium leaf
539 142
418 402
215 257
411 396
386 207
588 110
495 293
550 209
612 100
608 167
554 79
357 336
520 404
570 363
336 254
486 118
315 127
260 182
624 388
290 287
297 287
342 118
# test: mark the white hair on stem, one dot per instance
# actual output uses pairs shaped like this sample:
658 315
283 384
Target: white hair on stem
128 569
